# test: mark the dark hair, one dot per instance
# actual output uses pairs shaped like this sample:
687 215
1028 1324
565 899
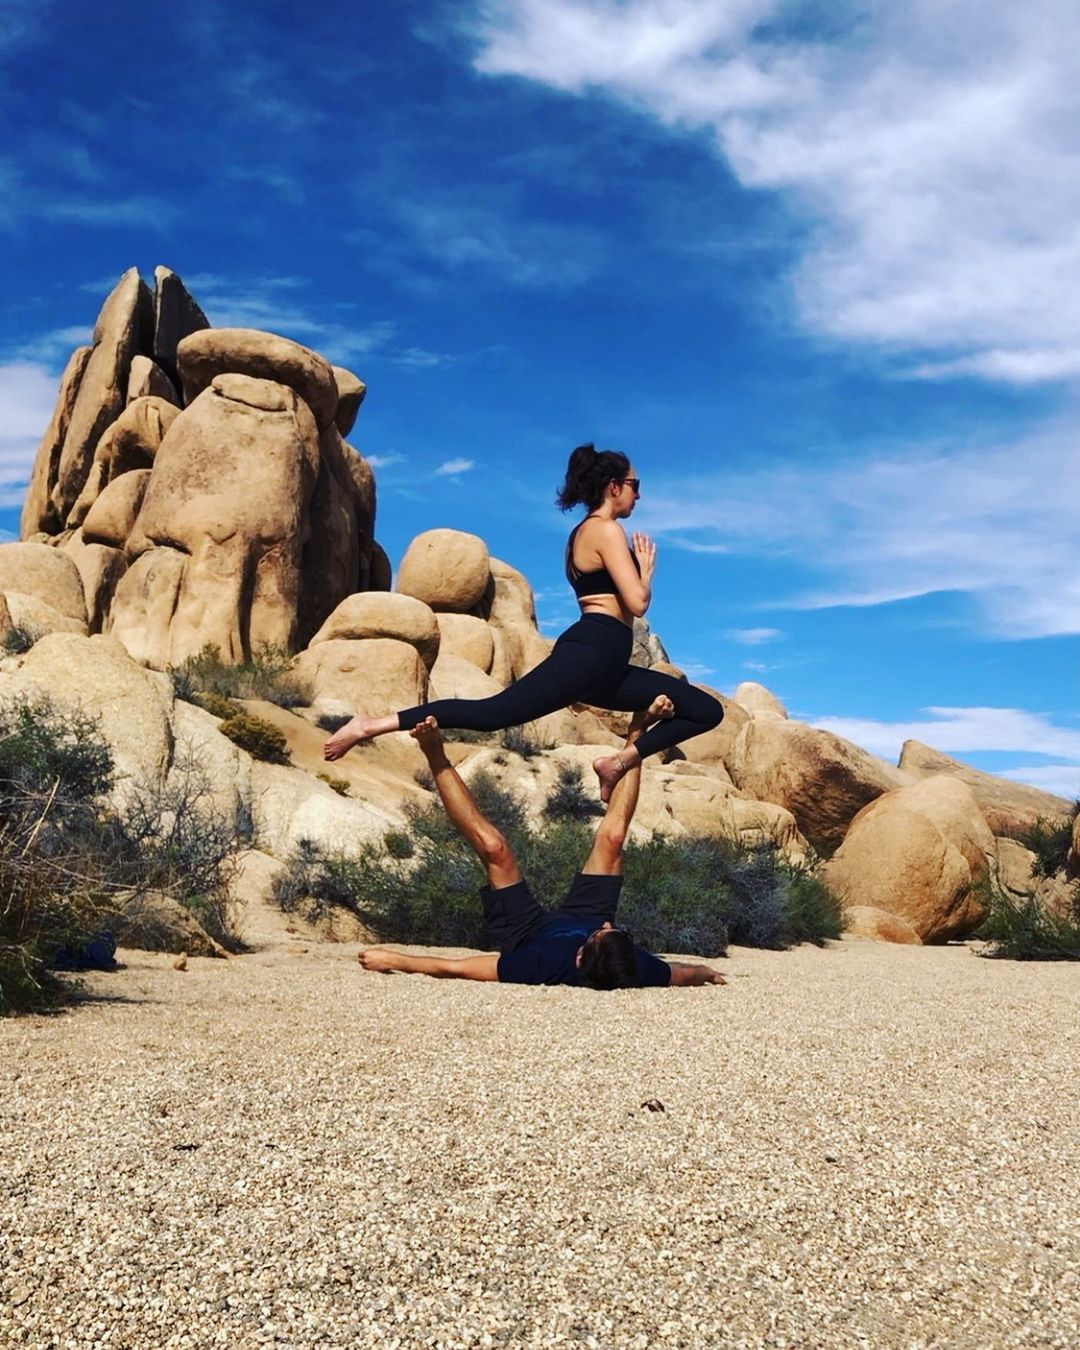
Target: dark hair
608 961
588 474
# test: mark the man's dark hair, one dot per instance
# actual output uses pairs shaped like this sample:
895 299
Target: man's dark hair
607 961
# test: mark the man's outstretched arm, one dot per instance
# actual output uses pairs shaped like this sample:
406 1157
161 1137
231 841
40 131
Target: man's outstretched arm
490 847
387 962
683 973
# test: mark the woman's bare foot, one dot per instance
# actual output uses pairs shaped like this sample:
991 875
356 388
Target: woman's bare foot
380 959
660 709
355 731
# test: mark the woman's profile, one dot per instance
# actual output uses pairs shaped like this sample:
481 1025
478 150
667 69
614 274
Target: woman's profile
590 662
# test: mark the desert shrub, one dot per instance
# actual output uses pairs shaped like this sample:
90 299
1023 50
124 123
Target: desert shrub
332 721
524 741
266 674
1025 930
69 862
339 785
257 736
17 641
216 706
570 799
1050 841
691 895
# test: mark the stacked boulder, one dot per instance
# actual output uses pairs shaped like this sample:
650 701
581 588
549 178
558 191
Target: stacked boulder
199 482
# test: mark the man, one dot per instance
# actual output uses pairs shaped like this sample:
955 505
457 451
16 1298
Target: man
577 943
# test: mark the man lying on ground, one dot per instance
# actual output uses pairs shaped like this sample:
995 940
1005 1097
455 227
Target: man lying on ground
577 943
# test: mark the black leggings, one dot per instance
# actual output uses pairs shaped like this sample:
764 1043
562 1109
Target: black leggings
589 664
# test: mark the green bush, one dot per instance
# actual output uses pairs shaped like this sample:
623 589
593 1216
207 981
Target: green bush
216 706
1050 841
69 862
257 736
17 641
339 785
570 799
1025 930
524 741
692 895
266 674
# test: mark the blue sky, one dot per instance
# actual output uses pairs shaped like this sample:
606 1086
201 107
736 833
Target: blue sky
813 267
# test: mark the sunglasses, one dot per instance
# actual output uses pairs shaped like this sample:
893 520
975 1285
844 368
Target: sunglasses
634 483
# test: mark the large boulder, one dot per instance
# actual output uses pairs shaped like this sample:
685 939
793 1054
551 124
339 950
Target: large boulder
823 780
518 649
867 922
511 598
124 320
447 569
45 572
131 443
713 747
38 513
100 568
351 390
1015 868
381 577
373 675
148 380
379 614
112 517
219 540
154 921
1010 808
455 677
211 352
758 701
921 853
467 636
332 554
1072 862
35 618
95 675
176 316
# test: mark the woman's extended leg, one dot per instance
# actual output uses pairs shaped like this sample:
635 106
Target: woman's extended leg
695 712
571 671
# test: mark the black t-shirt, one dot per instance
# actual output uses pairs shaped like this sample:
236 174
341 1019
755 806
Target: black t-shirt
550 956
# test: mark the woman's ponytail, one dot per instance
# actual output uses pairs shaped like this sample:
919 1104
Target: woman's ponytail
587 475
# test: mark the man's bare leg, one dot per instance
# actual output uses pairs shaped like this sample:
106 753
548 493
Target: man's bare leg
606 856
357 730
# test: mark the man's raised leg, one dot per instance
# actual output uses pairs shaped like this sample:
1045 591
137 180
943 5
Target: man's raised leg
606 856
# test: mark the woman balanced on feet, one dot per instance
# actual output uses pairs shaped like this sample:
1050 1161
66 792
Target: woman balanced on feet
590 662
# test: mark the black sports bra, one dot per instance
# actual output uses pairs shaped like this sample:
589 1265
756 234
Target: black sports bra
599 582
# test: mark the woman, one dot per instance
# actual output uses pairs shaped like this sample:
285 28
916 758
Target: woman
590 663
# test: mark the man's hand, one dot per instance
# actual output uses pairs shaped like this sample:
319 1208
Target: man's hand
380 959
684 974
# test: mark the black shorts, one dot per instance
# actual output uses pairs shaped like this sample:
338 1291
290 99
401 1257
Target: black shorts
513 915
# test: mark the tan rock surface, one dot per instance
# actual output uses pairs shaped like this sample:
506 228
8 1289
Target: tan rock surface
176 315
148 380
331 567
867 922
133 706
382 576
380 614
918 852
351 390
713 747
375 675
455 677
1014 868
221 528
102 391
1072 864
156 922
1010 808
823 780
520 649
36 618
212 352
38 513
130 443
512 600
46 572
447 569
467 636
755 698
112 517
100 568
5 623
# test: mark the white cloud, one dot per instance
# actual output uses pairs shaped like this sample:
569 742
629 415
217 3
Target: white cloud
959 731
1000 524
384 461
931 147
57 344
455 466
27 397
753 637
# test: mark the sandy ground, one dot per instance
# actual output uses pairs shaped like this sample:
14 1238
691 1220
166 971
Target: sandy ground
867 1145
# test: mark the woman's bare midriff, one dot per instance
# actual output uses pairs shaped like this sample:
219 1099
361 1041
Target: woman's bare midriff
606 604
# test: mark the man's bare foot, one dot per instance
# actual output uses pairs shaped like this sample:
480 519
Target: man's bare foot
609 769
355 731
380 959
426 735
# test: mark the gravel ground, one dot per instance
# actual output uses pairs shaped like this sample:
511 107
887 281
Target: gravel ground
867 1145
